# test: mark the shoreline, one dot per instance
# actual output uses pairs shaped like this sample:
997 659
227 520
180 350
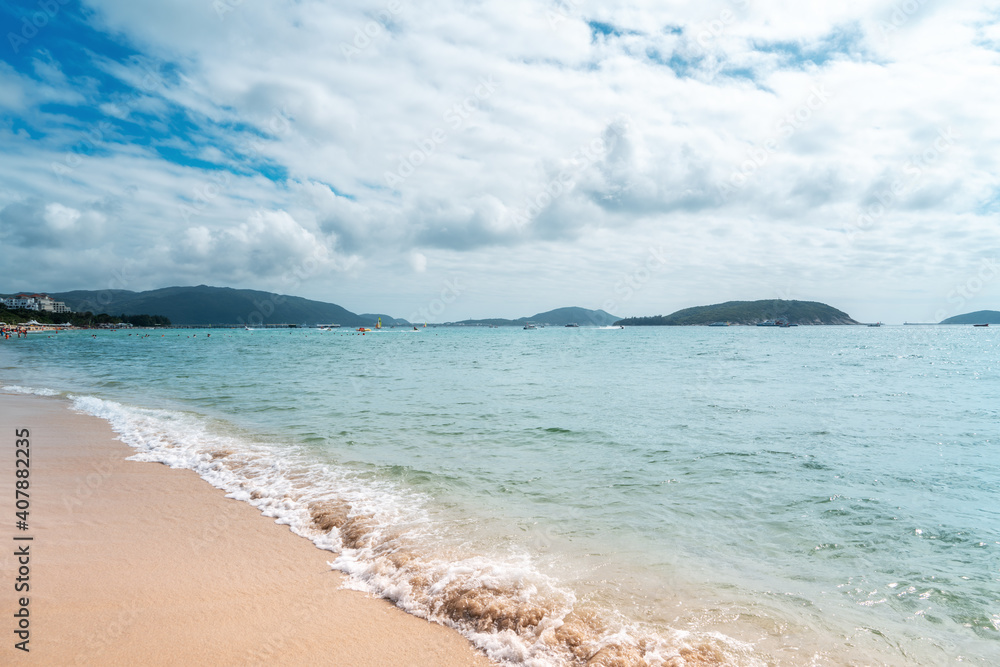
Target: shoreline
138 563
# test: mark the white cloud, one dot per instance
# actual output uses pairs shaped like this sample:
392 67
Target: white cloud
688 100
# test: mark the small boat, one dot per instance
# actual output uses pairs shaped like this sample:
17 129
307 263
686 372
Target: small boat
529 325
875 324
719 324
573 325
362 329
980 325
767 323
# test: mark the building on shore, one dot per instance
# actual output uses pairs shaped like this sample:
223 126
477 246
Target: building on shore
39 302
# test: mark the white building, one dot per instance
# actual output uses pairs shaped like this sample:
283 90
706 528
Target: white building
36 302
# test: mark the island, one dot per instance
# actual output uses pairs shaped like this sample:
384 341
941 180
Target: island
978 317
560 317
748 313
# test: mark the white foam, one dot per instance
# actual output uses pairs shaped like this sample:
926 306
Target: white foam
401 555
35 391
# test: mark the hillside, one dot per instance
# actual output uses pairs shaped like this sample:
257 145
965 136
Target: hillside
978 317
748 312
558 317
213 305
387 320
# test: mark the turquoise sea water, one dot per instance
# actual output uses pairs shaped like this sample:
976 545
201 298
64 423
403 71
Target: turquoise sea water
695 495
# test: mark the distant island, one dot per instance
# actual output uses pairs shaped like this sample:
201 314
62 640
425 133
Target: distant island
978 317
559 317
748 313
204 305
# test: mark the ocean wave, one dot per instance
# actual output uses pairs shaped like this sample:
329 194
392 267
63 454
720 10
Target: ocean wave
387 544
35 391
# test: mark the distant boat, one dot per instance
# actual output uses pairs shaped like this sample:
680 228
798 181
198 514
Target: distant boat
362 329
379 324
529 325
767 323
980 325
719 324
876 324
573 324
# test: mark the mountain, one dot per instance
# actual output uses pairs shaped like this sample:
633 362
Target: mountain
978 317
387 320
558 317
213 305
748 312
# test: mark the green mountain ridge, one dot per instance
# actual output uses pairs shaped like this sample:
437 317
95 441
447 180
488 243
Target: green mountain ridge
978 317
557 317
748 313
205 305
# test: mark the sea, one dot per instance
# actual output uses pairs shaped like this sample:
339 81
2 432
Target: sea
745 496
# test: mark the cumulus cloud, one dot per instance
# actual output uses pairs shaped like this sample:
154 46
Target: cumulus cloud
234 147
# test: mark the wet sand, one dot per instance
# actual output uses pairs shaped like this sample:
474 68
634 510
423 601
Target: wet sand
138 564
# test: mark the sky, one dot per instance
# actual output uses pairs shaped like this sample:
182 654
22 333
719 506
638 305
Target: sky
459 159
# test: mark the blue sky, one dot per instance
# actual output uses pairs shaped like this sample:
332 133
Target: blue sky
639 157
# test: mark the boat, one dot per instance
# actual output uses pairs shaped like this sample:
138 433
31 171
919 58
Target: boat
573 325
379 324
875 324
362 329
767 323
980 325
529 325
719 324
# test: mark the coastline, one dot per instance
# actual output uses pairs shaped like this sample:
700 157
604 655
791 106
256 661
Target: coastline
138 563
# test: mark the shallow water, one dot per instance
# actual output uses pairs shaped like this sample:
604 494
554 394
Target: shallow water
741 495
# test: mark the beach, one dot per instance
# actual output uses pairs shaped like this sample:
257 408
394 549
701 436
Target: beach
137 563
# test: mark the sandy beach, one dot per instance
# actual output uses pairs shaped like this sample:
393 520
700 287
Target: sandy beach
138 564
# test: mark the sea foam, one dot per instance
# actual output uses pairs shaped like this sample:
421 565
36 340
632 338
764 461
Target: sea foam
34 391
387 545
